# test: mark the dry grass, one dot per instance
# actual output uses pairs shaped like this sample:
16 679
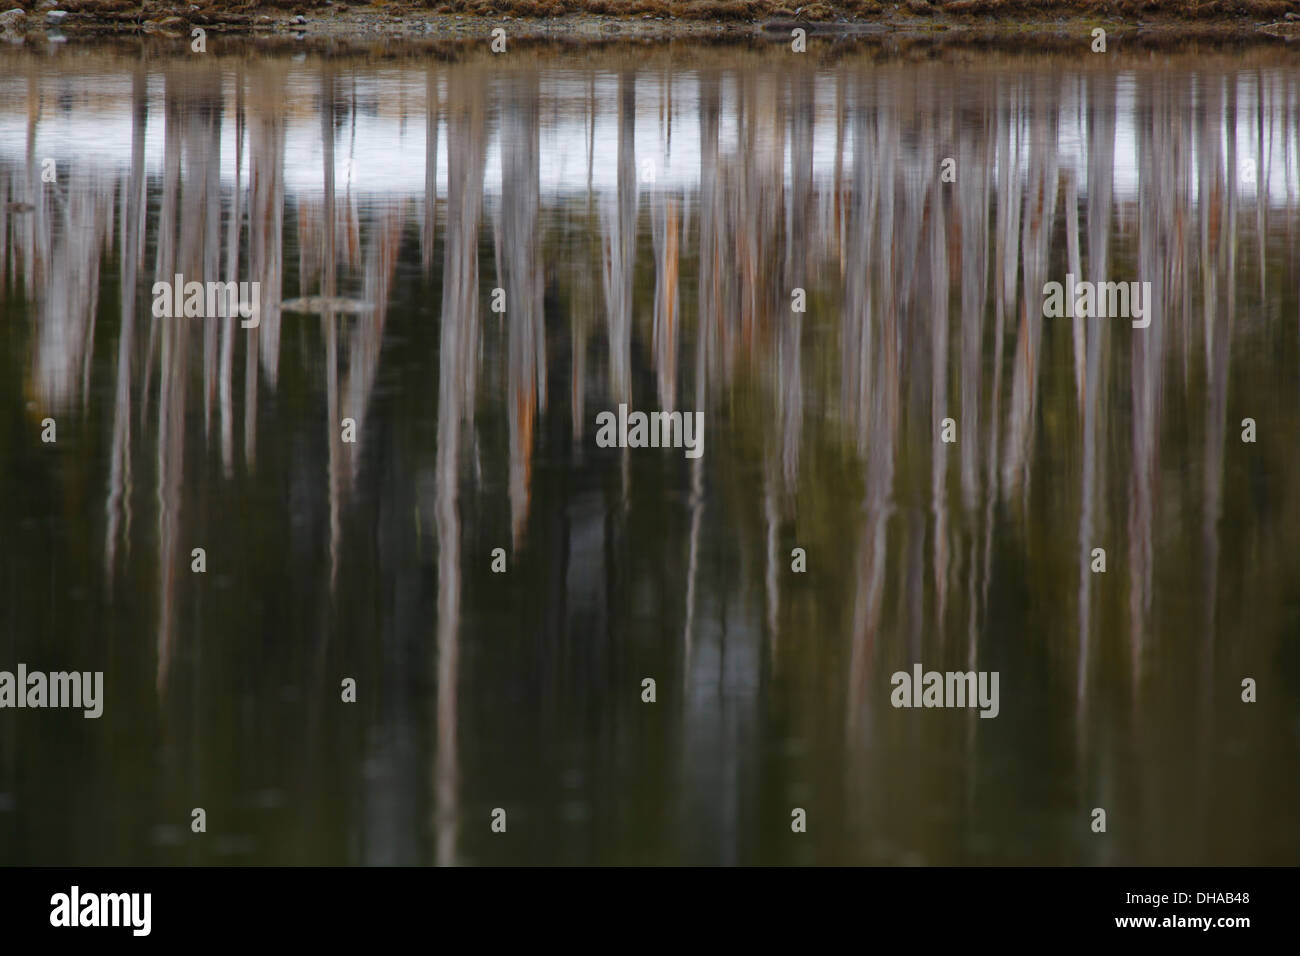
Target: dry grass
668 9
746 10
1172 9
159 8
687 10
723 10
818 10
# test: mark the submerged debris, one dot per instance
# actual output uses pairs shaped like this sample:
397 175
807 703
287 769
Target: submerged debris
324 303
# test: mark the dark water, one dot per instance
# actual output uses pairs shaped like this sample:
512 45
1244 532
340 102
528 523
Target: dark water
648 213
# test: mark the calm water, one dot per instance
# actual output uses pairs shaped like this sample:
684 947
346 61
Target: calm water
648 212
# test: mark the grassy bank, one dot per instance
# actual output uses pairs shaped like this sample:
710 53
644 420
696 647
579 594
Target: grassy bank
716 9
452 18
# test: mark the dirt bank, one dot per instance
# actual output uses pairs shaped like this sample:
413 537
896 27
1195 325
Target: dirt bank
1009 20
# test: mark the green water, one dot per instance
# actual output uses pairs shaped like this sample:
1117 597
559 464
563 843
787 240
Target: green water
648 212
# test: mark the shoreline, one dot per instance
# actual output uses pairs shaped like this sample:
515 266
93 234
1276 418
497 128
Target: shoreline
972 21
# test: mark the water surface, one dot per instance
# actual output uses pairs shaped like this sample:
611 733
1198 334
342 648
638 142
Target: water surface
649 213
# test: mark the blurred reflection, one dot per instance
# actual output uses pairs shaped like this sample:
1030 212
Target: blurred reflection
672 214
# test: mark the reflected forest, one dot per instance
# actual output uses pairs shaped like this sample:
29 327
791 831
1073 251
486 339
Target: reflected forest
395 479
